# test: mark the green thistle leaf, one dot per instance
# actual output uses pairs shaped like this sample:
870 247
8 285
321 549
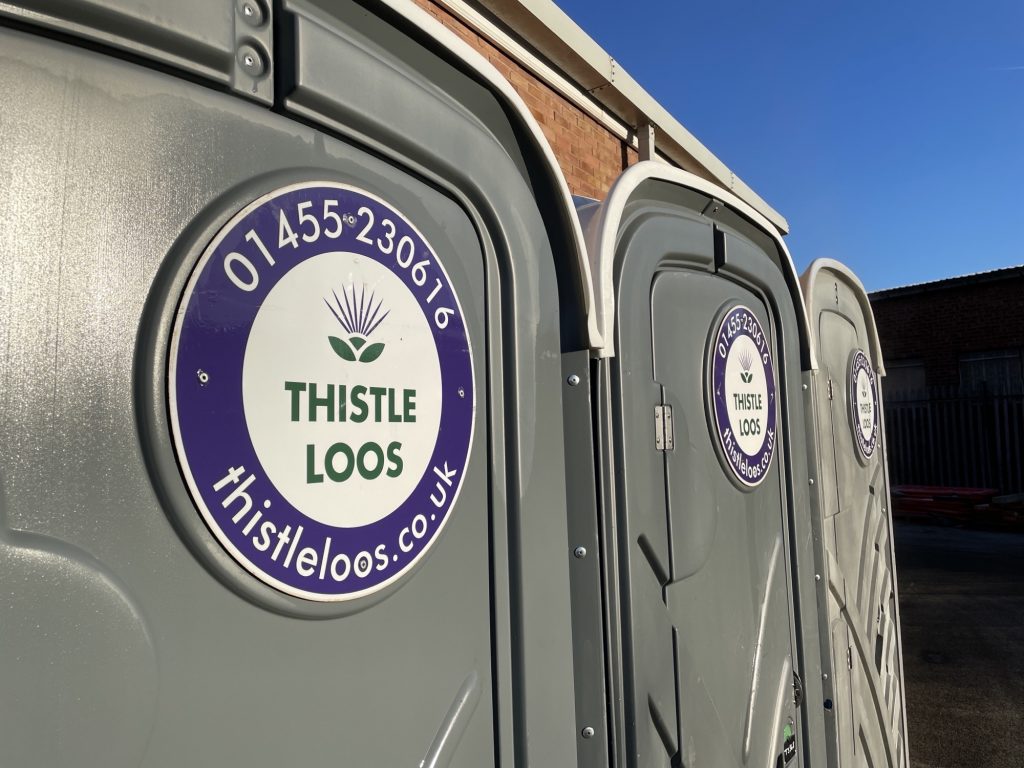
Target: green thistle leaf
343 350
371 353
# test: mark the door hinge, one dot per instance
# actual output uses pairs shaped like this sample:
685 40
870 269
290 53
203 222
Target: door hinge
664 429
830 388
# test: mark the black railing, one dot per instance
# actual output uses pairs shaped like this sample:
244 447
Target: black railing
944 436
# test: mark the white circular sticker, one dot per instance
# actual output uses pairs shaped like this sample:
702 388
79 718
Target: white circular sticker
396 405
321 391
744 401
863 395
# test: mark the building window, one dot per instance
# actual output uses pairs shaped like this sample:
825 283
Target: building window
904 379
998 372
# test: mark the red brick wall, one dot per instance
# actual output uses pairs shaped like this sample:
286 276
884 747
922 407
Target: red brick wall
940 324
590 156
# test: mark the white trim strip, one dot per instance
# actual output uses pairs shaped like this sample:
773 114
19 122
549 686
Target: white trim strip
846 275
603 232
501 87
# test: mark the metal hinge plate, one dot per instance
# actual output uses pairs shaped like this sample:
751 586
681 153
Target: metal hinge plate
664 428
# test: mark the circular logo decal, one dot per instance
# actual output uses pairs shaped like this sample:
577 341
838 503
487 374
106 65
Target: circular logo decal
863 404
321 391
743 384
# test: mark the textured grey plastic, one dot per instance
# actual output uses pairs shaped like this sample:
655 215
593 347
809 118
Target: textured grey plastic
206 39
707 573
128 637
861 643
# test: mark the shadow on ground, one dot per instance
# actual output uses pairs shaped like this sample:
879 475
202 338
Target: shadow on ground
962 613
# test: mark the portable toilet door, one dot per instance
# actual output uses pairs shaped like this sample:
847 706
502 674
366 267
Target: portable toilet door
858 597
283 295
705 481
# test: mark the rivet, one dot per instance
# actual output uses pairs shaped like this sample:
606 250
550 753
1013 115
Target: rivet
251 61
804 387
580 552
203 376
810 481
252 12
573 380
462 392
587 732
817 577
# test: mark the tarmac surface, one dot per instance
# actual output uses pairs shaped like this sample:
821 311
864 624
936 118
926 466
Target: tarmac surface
962 615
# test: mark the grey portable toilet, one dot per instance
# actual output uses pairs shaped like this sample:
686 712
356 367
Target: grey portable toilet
705 474
858 597
284 291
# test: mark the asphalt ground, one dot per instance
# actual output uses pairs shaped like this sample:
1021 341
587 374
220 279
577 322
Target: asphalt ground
962 614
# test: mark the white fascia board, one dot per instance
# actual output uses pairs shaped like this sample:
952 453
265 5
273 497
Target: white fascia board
501 88
554 78
602 233
597 76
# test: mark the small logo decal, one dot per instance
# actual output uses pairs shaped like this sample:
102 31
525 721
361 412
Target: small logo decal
744 395
746 361
863 394
359 319
788 744
328 436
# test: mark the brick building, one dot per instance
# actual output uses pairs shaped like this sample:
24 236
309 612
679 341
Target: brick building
954 390
963 332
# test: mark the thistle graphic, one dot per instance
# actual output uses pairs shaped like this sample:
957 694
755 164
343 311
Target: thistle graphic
746 361
360 317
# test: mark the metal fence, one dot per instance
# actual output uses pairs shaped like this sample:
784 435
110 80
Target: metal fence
945 436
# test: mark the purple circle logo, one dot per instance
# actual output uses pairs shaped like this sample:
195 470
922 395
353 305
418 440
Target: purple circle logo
863 395
321 391
743 393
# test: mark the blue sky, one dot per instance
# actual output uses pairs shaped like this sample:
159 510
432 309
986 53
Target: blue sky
890 135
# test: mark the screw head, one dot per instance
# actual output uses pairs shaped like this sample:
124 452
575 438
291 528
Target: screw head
810 481
251 12
203 376
817 577
573 380
580 552
462 392
250 60
587 732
